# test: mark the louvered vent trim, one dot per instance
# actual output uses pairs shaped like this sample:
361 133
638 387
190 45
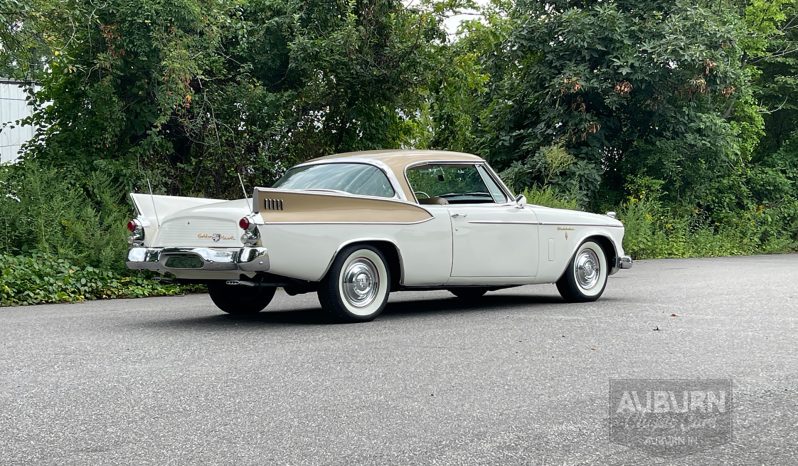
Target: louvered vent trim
273 204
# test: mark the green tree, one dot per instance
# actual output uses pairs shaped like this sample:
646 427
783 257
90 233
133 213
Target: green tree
460 87
190 92
24 43
630 89
774 57
120 74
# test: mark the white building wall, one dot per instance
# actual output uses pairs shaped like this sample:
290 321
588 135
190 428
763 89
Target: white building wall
12 108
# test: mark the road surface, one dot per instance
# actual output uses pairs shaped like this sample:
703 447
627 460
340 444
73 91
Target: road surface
517 378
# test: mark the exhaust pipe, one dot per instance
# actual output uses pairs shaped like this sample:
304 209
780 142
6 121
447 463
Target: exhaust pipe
240 283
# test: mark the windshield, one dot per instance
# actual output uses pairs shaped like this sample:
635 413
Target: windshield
353 178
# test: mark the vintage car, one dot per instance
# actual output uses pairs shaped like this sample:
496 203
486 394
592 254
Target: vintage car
354 227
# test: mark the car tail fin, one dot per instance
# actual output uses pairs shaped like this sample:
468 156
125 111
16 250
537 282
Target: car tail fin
155 208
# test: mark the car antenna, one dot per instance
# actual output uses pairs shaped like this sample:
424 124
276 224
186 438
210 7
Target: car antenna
152 198
244 189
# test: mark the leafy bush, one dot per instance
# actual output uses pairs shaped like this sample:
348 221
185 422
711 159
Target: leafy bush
540 178
63 239
46 210
44 278
549 197
654 231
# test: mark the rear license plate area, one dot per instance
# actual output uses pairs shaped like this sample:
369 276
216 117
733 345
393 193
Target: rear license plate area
187 261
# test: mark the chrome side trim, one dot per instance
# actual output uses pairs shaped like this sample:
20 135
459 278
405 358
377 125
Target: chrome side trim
503 222
348 223
581 224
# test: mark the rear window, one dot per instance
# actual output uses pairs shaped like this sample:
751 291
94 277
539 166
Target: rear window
353 178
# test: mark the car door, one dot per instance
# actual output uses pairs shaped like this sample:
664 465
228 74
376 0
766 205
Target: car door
498 239
492 236
493 241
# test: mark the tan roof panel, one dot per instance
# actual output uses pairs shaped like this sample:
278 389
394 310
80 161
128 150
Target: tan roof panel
398 159
392 157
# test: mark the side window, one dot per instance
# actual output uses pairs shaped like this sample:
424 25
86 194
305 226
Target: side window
353 178
449 184
495 191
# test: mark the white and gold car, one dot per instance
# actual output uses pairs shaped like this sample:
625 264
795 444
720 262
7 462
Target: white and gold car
354 227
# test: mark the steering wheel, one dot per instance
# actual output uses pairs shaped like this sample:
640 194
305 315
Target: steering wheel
422 192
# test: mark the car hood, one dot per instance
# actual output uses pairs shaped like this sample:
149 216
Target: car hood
548 215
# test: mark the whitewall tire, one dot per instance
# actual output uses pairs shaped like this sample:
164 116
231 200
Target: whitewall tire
357 285
586 275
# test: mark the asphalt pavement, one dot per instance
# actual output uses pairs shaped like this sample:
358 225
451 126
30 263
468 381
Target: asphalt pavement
519 377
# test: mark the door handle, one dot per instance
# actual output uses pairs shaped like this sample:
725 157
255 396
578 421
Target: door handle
459 215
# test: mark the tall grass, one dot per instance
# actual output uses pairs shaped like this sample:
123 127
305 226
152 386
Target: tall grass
653 231
656 231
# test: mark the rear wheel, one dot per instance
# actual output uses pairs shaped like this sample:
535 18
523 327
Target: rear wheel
586 276
240 300
468 292
357 285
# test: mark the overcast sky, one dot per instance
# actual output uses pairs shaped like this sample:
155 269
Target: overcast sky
451 23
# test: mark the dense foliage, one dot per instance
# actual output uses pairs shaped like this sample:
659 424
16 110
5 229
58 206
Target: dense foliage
681 115
43 278
190 92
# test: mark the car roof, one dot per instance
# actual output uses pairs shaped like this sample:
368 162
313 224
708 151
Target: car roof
404 156
397 160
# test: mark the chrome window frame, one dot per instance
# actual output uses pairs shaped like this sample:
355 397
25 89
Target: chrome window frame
485 177
398 192
508 196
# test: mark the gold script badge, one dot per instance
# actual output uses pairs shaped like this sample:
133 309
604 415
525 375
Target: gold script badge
215 237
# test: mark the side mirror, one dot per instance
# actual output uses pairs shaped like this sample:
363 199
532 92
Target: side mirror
520 199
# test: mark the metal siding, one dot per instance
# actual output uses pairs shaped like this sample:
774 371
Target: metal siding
13 107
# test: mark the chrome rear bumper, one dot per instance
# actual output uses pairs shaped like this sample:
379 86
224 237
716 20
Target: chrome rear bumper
245 259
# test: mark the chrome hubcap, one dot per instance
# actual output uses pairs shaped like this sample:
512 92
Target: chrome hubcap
587 269
360 282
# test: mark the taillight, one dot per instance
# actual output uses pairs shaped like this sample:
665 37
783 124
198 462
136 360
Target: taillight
136 230
251 234
134 226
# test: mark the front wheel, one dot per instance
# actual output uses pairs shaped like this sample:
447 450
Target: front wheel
240 300
357 285
586 276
